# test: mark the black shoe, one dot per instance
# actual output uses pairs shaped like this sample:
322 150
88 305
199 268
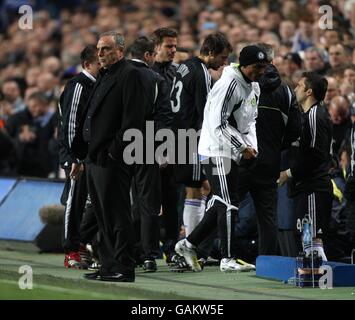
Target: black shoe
92 276
170 258
150 266
117 277
180 265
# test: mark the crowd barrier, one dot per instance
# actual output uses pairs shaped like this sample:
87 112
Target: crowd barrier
20 202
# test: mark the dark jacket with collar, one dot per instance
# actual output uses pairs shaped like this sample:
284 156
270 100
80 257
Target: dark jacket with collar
278 124
167 70
312 159
158 108
115 106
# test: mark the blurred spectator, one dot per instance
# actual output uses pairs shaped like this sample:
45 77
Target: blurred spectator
48 84
12 93
292 63
332 90
52 64
349 75
32 75
314 60
303 36
340 116
31 130
287 31
252 35
290 10
296 77
338 56
332 38
5 111
280 65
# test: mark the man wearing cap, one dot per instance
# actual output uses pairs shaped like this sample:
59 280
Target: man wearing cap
228 138
115 106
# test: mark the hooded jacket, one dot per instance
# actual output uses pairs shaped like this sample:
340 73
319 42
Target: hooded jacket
278 124
229 116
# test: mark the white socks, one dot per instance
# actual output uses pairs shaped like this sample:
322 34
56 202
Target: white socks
194 211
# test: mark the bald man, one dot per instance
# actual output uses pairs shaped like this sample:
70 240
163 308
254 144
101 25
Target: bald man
339 115
332 91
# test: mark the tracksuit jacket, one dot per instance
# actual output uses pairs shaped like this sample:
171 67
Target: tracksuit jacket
72 106
229 117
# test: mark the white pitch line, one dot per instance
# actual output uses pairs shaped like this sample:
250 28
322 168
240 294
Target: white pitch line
63 290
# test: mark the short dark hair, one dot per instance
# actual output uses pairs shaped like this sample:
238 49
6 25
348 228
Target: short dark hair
140 46
89 54
317 83
215 43
159 34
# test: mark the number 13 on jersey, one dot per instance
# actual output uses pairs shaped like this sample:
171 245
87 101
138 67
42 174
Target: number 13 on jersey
175 95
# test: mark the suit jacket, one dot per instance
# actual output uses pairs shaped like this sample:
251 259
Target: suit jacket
114 107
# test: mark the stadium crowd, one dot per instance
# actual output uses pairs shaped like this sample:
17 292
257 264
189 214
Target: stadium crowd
36 64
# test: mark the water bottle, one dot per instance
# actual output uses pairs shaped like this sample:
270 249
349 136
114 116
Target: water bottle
307 236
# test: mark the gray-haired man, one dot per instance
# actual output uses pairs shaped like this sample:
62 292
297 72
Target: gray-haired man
114 107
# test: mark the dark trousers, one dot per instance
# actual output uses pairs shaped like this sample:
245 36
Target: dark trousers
222 176
109 192
146 194
318 205
170 217
350 215
88 226
74 198
265 203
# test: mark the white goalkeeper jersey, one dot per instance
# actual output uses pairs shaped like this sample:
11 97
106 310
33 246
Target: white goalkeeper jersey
229 116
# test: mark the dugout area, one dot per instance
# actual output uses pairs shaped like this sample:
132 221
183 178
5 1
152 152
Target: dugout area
52 281
19 244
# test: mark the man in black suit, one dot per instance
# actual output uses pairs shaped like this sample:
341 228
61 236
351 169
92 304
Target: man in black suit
146 188
114 107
